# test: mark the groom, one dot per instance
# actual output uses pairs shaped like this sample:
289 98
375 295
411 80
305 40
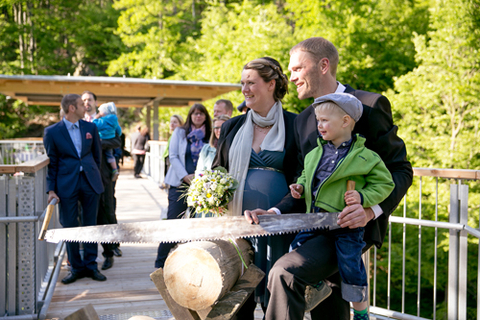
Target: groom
73 175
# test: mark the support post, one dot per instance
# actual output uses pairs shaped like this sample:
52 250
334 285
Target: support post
148 119
156 103
457 256
452 292
463 254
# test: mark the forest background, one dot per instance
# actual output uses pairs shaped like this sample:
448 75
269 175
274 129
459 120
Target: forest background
422 54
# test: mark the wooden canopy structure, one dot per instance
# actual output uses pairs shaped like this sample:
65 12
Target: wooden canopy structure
125 92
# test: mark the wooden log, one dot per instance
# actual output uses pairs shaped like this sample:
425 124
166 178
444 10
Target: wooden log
198 274
177 311
229 305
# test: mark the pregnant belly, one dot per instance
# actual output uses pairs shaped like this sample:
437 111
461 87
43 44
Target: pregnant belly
263 189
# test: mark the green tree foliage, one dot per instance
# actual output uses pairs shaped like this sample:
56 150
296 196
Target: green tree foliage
437 105
57 37
152 32
373 37
53 37
19 120
230 37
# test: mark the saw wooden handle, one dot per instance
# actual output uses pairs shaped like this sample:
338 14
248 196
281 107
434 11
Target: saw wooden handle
350 185
46 221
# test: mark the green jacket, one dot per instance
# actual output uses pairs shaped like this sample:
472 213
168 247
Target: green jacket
362 165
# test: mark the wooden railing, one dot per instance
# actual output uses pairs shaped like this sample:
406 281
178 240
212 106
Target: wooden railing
154 165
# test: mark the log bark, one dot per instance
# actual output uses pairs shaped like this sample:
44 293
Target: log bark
198 274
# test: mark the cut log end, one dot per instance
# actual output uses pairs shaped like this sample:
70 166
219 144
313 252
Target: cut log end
198 274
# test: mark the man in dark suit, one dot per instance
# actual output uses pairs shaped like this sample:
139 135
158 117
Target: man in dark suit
106 207
313 65
73 146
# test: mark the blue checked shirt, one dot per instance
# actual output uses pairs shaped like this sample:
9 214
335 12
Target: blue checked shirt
75 134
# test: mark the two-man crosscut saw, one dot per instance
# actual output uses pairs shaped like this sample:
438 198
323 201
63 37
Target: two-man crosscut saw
182 230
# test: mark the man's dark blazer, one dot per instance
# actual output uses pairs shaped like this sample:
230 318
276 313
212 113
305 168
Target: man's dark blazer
64 167
376 125
230 129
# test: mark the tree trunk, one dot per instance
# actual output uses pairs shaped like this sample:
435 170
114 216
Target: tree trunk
198 274
17 13
32 42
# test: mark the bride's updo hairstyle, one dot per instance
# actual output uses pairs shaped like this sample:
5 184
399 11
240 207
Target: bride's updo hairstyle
269 69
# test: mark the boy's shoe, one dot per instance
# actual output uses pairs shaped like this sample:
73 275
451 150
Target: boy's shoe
115 174
316 294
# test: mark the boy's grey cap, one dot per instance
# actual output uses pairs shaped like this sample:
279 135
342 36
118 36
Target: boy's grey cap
347 102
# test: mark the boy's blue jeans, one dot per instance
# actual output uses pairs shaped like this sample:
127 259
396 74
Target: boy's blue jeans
349 247
109 155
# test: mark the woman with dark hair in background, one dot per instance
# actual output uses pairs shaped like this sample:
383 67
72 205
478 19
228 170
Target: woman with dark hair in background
258 149
185 145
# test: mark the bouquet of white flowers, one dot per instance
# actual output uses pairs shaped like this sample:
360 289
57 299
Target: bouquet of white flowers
211 191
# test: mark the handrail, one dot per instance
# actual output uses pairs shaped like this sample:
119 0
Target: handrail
30 166
437 224
389 314
51 288
18 140
447 173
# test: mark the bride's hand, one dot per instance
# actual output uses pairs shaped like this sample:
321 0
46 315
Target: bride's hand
252 215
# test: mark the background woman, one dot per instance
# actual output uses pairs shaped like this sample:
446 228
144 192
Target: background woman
185 146
175 121
139 149
259 150
209 150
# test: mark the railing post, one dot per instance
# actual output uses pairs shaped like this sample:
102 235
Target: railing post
26 279
11 247
478 281
463 254
457 257
3 244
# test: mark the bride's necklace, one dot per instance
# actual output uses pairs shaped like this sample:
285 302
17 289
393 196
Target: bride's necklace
262 129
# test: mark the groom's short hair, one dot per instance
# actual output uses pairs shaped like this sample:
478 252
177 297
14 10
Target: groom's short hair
319 48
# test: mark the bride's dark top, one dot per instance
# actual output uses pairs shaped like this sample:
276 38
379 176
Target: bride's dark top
269 175
289 162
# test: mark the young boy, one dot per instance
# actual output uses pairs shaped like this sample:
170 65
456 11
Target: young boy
107 124
338 158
